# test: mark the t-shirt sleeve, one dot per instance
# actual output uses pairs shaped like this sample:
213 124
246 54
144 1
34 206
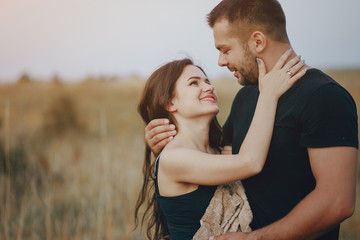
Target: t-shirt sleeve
329 119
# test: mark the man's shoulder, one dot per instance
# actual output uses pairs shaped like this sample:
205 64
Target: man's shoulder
316 82
313 80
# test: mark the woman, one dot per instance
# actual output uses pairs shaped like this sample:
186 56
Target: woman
178 187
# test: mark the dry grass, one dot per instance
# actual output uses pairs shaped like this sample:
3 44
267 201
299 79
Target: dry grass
71 156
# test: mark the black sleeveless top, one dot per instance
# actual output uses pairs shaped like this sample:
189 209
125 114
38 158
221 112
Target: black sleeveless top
183 213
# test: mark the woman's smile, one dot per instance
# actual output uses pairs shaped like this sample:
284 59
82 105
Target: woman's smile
210 98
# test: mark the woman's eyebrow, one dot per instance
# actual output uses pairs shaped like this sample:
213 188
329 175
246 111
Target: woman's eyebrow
198 78
194 77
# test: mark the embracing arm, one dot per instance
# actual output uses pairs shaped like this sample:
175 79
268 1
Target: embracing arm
332 200
192 166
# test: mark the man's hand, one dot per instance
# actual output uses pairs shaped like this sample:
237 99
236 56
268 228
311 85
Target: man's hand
231 236
158 133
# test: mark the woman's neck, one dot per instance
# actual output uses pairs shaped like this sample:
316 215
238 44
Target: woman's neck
194 133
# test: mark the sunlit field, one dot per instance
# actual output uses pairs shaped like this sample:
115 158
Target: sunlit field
71 157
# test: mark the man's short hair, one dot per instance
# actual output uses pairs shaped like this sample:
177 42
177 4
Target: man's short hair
252 14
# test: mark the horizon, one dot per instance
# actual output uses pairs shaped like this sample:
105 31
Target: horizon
75 40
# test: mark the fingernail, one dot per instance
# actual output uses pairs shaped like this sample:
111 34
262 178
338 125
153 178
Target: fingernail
166 121
306 69
211 238
303 61
171 137
172 126
298 56
173 132
258 60
290 50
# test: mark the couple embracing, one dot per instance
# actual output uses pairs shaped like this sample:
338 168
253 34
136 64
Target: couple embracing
292 130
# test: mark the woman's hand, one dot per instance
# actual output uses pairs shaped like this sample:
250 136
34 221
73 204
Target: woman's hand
282 76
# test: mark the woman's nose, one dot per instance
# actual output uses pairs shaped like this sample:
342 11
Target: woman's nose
209 88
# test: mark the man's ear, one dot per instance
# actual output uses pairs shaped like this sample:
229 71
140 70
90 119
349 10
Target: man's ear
257 42
171 107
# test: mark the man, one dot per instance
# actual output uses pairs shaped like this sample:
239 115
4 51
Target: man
308 184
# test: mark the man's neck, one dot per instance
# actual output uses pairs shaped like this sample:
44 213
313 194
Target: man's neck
274 51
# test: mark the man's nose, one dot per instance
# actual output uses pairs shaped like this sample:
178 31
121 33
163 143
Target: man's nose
222 62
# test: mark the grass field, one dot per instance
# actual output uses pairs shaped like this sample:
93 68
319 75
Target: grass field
71 157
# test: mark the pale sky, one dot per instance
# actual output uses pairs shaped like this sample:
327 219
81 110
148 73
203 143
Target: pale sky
77 38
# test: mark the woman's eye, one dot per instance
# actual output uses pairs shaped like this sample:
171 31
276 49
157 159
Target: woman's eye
193 83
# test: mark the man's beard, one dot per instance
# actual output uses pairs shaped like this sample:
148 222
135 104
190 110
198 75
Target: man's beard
250 75
249 79
250 72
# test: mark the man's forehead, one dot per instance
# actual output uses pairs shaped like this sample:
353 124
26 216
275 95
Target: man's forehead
226 33
220 32
221 24
224 40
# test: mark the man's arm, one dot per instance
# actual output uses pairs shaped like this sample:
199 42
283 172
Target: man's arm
332 200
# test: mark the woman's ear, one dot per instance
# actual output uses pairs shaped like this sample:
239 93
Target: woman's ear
258 42
171 107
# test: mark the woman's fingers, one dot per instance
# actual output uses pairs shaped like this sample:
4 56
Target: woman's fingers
280 63
290 68
283 75
294 68
262 68
299 72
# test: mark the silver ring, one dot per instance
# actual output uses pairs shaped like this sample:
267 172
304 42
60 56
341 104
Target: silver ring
289 72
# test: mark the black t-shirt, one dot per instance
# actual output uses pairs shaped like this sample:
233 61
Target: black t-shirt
315 112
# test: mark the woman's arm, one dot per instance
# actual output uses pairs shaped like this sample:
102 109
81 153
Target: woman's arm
193 166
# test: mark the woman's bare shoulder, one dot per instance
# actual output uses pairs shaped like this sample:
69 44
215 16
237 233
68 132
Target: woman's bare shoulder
174 154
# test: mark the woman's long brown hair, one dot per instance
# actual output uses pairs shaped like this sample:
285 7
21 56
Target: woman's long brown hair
158 92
